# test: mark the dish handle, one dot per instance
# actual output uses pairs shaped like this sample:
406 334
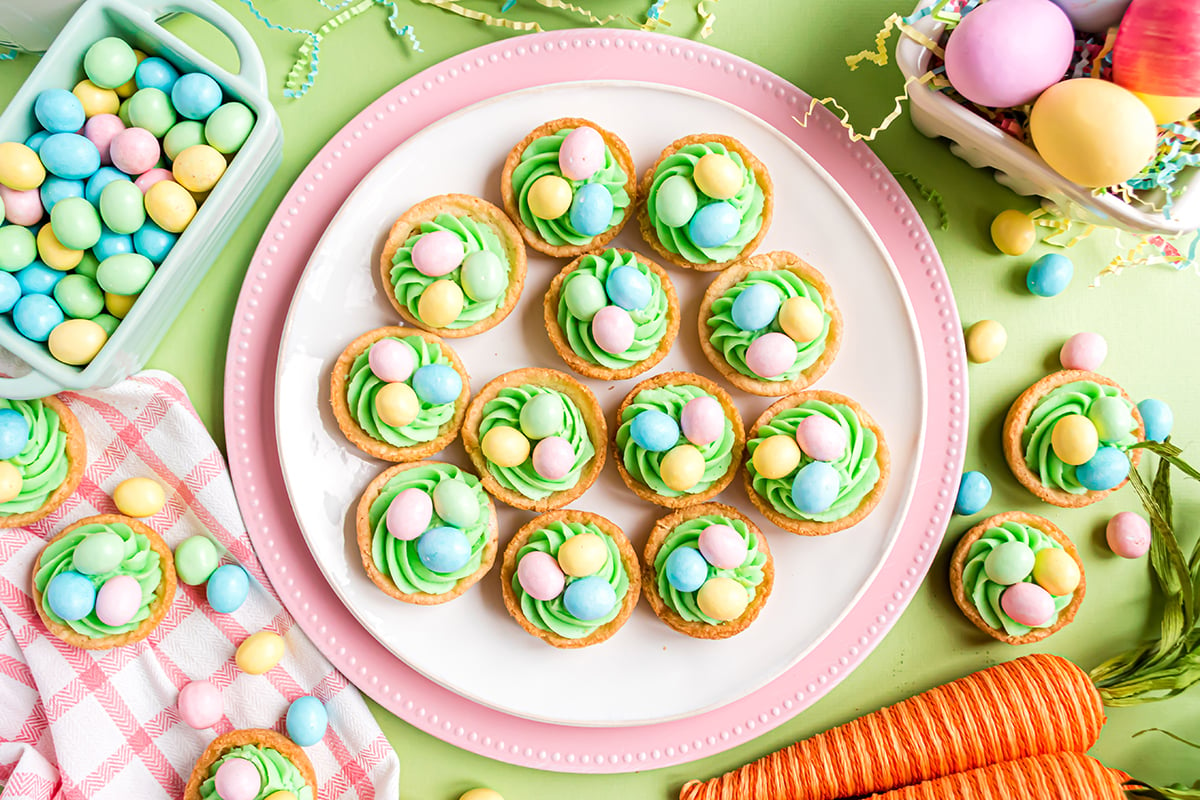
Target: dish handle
28 387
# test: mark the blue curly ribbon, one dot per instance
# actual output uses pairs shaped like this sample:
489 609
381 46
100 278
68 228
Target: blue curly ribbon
8 55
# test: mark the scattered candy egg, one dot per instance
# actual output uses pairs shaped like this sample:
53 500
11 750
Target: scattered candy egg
686 569
123 207
171 206
676 201
58 111
591 209
584 296
974 493
95 100
1128 535
14 433
613 329
628 288
1056 572
109 62
200 705
54 253
10 482
391 361
79 296
540 576
444 550
70 595
151 109
581 154
98 553
75 223
986 339
440 303
100 130
76 341
1157 419
237 779
714 224
722 547
505 446
307 718
1112 418
483 276
409 514
478 794
21 208
755 307
198 168
156 73
722 599
1107 469
152 241
815 487
35 316
69 155
228 127
118 600
821 438
18 248
776 456
549 197
801 319
227 589
1093 16
456 503
20 167
1009 563
770 355
437 253
1013 232
1085 351
124 274
654 431
718 176
195 95
702 420
195 559
1050 274
682 467
182 135
589 598
543 415
437 384
151 177
1028 604
1074 439
397 404
583 554
259 652
553 458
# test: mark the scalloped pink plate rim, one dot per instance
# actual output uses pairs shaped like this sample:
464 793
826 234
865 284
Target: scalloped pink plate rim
283 252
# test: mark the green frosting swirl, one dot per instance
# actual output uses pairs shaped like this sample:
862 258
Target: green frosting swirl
733 342
408 283
650 321
43 463
541 158
397 558
505 409
687 534
362 385
857 468
552 615
140 561
643 465
985 594
277 772
1063 401
748 202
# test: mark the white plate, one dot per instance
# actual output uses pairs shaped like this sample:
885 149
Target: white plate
646 672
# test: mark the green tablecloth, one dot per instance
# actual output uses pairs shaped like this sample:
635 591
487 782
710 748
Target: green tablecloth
1147 315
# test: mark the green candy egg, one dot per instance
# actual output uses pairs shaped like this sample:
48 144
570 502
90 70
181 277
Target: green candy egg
676 201
109 63
151 109
88 265
79 296
182 136
542 416
1009 563
75 223
108 322
195 559
585 296
123 112
122 207
125 273
483 276
1112 418
18 247
227 128
99 553
456 504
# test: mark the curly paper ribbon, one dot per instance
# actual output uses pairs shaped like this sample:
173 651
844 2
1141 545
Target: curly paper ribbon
855 136
932 196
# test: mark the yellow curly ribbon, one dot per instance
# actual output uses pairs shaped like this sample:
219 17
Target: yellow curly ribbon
708 16
879 56
831 102
479 16
583 12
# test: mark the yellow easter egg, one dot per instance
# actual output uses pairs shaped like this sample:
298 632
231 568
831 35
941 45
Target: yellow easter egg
397 404
549 197
119 304
682 467
20 167
139 497
1074 439
1013 232
723 599
170 205
1056 572
55 254
76 341
198 168
801 319
718 176
776 456
505 446
986 339
440 303
478 794
259 652
1169 109
582 555
10 482
96 100
282 794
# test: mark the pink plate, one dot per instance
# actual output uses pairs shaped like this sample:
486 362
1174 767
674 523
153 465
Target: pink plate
280 260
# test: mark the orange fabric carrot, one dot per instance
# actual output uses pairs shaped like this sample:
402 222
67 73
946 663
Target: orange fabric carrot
1059 776
1035 705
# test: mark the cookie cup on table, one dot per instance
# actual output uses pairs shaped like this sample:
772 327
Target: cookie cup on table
257 737
76 452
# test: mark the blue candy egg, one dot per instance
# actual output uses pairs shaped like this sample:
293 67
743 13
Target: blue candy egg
589 598
10 292
112 244
815 487
153 242
714 224
69 155
195 95
654 431
14 433
70 595
228 587
973 494
443 550
756 307
35 315
1103 471
59 111
436 384
54 189
686 569
1049 275
155 73
591 209
35 140
103 177
306 719
1157 418
628 288
37 278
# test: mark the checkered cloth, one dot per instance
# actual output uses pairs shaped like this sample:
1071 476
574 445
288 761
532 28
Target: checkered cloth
86 725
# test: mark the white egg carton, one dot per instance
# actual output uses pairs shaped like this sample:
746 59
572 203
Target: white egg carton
1018 166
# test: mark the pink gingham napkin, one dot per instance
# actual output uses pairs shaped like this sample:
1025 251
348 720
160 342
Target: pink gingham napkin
84 725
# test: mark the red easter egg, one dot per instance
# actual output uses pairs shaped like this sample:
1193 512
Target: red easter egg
1157 51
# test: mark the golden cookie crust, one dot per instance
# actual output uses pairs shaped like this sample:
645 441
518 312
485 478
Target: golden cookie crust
164 594
748 158
882 457
731 412
364 441
620 152
767 262
959 562
702 630
76 461
459 205
589 409
364 534
259 737
588 369
508 568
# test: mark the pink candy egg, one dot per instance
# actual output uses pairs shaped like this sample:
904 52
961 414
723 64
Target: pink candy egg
200 705
553 458
100 130
1084 351
770 355
722 547
134 150
702 420
151 177
1128 535
821 438
409 514
581 154
540 576
238 779
437 253
613 329
391 361
21 208
118 600
1028 604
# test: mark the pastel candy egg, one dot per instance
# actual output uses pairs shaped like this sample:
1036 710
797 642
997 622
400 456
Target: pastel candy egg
58 111
437 384
70 595
118 600
237 779
540 576
10 292
770 355
974 493
776 457
35 140
682 467
801 319
307 719
106 321
282 794
676 201
151 177
156 73
549 197
134 150
397 404
183 135
686 569
152 241
543 415
10 482
18 248
440 303
54 189
1009 563
227 589
69 155
654 431
582 555
109 62
628 288
171 206
584 296
21 208
54 253
1049 275
95 100
151 109
199 704
444 550
821 438
76 341
613 329
35 316
20 167
582 153
714 224
390 360
476 794
98 553
505 446
456 503
553 458
101 178
722 599
1085 351
409 514
591 209
1112 418
437 253
722 547
483 276
125 273
815 487
1128 535
1056 572
259 652
718 176
38 279
1013 232
195 559
589 598
702 420
122 207
755 307
118 305
79 296
1105 470
228 127
1074 439
986 340
198 168
195 95
14 433
1028 604
1157 418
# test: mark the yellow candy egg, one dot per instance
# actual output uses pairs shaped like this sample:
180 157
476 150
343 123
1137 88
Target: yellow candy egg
20 167
776 456
549 197
682 467
722 599
986 339
718 176
282 794
1013 232
170 206
440 303
10 482
139 497
76 341
1056 572
582 555
478 794
505 446
259 652
1169 109
198 168
126 89
119 304
1074 439
96 100
397 404
801 319
54 253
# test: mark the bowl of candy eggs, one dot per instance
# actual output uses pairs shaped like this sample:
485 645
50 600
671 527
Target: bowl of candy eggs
126 160
1090 104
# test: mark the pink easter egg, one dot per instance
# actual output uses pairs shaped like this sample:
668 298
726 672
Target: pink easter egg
553 458
391 361
702 420
540 576
118 600
134 150
1128 535
100 130
151 177
581 154
722 547
437 253
409 514
613 329
22 208
1028 604
821 438
200 705
1084 351
770 355
238 779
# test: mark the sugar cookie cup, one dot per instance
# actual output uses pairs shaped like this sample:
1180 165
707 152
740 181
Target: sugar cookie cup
50 465
296 775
